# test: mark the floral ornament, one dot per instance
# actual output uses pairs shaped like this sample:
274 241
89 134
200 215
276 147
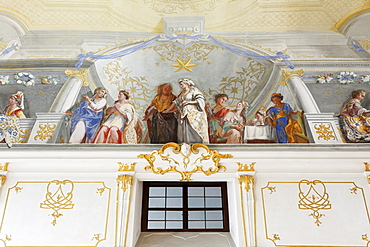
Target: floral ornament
25 78
365 79
346 77
50 80
325 78
4 80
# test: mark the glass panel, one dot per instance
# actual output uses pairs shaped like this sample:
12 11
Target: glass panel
214 215
174 202
156 224
213 191
157 191
195 202
174 191
196 191
173 224
196 225
213 203
156 202
156 215
196 215
214 224
174 215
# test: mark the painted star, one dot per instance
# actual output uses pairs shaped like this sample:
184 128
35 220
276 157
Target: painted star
183 65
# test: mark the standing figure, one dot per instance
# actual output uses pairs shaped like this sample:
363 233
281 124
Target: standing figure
162 126
280 116
86 119
355 125
192 125
16 106
215 116
121 123
233 123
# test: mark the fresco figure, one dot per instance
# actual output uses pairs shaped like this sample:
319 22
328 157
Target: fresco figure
121 124
87 117
192 122
215 116
16 105
259 118
162 126
233 123
355 125
281 117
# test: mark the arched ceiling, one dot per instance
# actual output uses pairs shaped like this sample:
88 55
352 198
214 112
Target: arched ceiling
146 15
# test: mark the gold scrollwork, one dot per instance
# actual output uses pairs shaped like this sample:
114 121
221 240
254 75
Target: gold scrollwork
18 189
366 238
81 74
313 196
288 74
324 131
271 189
354 189
247 180
100 190
367 167
191 157
275 237
124 181
44 131
96 237
126 167
245 167
25 134
57 198
2 180
4 167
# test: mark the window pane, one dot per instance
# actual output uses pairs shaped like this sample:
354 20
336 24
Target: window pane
214 215
173 224
156 224
196 225
213 191
196 191
156 202
174 215
156 215
214 224
196 215
213 203
195 202
174 202
174 191
157 191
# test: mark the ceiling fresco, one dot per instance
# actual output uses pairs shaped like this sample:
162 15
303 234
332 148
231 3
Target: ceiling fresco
146 15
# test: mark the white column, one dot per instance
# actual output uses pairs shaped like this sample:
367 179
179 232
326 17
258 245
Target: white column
304 96
67 96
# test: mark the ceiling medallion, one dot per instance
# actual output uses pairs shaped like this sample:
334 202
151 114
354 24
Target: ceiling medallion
183 65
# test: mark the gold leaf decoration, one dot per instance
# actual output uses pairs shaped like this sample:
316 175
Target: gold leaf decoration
187 159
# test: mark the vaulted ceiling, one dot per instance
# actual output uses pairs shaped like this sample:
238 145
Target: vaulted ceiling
220 15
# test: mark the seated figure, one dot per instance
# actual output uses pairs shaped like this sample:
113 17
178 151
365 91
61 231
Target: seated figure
355 126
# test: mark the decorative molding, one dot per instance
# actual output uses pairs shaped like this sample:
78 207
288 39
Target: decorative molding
367 167
310 198
324 131
125 182
81 74
44 131
3 172
287 74
126 167
57 199
248 182
187 160
246 167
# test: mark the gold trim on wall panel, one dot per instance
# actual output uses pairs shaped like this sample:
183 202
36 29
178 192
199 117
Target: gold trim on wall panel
3 173
22 189
187 159
312 195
